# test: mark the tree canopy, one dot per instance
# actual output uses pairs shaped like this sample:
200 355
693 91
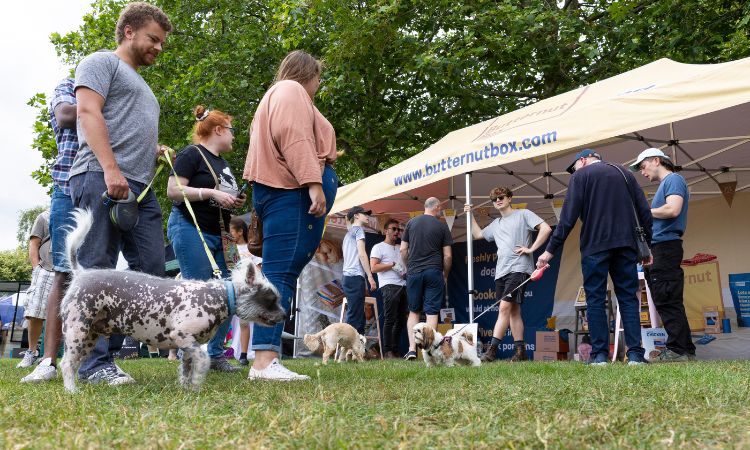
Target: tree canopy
400 74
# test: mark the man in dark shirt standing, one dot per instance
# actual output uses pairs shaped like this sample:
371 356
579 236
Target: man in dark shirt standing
426 251
603 200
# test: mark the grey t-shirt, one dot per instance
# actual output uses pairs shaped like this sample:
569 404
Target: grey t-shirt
507 233
130 111
40 229
426 236
352 265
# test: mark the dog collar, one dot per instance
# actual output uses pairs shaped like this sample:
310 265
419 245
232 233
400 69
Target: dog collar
230 297
440 342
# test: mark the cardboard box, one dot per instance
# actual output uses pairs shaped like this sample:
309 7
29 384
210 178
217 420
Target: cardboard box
550 356
712 319
550 341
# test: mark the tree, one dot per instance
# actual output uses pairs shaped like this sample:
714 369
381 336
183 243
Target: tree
400 74
15 265
26 219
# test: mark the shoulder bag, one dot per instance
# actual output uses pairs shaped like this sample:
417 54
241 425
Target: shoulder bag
644 252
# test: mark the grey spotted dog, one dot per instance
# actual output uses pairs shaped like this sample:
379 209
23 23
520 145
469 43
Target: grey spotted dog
161 312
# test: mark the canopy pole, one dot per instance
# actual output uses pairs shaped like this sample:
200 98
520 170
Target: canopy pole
469 251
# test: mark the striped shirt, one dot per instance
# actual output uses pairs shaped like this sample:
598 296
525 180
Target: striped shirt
66 139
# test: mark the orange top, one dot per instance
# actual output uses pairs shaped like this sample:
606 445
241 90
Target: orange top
290 140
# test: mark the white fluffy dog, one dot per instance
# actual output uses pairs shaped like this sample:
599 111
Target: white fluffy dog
449 350
342 334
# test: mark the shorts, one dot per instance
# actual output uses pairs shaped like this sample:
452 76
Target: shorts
38 293
507 283
425 291
60 222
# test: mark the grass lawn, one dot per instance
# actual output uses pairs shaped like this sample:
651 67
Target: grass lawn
392 404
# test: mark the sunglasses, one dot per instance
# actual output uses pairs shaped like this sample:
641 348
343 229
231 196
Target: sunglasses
500 198
397 230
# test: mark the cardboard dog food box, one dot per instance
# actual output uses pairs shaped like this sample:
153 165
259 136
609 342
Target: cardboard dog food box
550 341
550 356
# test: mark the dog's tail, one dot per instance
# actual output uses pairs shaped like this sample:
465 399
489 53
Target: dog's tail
468 336
77 234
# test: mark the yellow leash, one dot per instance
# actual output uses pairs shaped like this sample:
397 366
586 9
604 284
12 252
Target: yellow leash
168 159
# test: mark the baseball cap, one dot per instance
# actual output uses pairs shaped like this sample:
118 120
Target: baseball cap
357 210
648 153
585 153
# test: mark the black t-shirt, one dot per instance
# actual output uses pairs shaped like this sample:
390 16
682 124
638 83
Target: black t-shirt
426 236
189 164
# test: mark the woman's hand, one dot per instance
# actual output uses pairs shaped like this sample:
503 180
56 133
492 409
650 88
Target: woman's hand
224 199
239 201
317 199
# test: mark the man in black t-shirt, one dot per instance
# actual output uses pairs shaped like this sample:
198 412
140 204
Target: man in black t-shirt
426 251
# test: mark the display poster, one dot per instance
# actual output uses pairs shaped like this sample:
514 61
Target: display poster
739 286
702 288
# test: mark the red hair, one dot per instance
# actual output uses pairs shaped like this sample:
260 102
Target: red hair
206 121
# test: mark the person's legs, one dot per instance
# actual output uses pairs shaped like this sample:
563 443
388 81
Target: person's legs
410 322
354 289
594 268
390 307
53 324
34 330
666 282
402 317
624 273
290 237
415 301
516 322
434 294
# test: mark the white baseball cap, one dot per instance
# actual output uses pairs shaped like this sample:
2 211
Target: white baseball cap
648 153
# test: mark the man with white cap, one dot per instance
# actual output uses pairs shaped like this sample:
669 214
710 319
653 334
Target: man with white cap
666 278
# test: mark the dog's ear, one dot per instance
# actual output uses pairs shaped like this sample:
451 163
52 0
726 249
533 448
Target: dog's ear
250 274
469 337
428 335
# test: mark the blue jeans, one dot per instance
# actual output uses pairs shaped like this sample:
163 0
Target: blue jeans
620 264
60 219
194 264
290 237
142 247
354 289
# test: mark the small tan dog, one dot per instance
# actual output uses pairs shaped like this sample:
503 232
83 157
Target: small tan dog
453 349
342 334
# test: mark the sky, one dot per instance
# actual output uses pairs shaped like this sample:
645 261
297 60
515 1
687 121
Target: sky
30 66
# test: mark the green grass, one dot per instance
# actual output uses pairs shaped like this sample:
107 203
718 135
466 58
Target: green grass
391 404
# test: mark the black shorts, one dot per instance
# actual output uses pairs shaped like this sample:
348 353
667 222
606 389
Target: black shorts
507 283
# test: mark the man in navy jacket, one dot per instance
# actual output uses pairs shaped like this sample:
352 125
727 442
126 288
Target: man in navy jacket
599 195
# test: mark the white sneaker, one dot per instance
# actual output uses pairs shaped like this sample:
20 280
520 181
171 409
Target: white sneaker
29 358
275 372
45 371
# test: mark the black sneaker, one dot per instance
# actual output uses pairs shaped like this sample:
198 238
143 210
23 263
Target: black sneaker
221 364
244 361
410 356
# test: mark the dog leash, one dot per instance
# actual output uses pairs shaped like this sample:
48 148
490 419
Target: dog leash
214 266
535 275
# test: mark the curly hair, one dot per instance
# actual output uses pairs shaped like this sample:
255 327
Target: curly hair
501 190
136 15
206 120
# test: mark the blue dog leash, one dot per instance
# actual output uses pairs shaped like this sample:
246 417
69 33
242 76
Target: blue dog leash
230 297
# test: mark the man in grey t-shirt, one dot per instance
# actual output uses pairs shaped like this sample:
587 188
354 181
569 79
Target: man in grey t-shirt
118 123
356 268
512 233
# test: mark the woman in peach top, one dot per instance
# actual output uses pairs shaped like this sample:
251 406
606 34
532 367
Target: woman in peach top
289 162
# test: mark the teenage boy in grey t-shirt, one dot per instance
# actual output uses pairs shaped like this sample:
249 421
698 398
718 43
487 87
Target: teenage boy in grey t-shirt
512 232
356 268
118 124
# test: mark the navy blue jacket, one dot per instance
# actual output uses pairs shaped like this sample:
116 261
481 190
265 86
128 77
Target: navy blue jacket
598 195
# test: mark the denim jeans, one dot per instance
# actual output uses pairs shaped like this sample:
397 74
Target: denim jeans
620 264
290 237
667 281
194 264
142 247
60 218
354 289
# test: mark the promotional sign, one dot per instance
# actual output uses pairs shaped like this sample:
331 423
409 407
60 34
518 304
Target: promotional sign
538 298
739 286
702 288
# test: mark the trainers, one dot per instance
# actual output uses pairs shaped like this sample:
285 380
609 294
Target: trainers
111 374
636 360
668 356
598 360
29 358
221 364
275 372
410 356
45 371
243 361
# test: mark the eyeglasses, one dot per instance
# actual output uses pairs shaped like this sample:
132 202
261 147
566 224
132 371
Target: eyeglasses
498 198
231 129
